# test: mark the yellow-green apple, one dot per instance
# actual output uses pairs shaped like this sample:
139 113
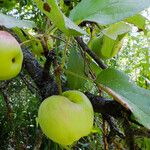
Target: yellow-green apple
10 56
66 118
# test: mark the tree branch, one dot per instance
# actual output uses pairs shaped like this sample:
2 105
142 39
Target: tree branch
47 86
91 53
106 106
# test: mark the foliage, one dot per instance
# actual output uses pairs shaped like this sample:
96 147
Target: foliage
48 32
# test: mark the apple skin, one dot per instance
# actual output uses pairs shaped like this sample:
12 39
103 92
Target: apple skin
67 118
11 56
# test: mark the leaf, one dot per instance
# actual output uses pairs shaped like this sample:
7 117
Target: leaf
75 70
110 42
7 4
113 39
52 11
114 30
95 68
107 12
126 92
21 34
143 143
138 20
11 22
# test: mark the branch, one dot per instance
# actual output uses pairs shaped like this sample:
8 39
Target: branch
47 86
91 53
129 137
113 129
49 59
141 132
106 106
7 102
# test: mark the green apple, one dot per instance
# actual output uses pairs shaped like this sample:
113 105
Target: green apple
10 56
66 118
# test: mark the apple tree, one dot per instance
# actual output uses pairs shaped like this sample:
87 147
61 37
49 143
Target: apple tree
74 74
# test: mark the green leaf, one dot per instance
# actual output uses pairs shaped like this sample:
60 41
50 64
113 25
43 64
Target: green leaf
21 34
11 22
114 30
110 41
143 143
138 20
126 92
52 11
113 39
75 70
8 4
107 12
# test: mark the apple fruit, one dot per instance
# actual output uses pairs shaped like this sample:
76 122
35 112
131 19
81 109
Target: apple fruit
66 118
11 56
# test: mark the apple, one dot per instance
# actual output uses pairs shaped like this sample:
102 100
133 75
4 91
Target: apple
10 56
66 118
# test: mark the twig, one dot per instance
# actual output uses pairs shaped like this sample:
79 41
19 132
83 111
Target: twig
91 53
58 38
57 71
50 56
141 132
104 126
9 107
129 137
115 95
113 129
28 83
38 140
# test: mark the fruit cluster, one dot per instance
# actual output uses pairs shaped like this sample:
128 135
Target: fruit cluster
63 118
